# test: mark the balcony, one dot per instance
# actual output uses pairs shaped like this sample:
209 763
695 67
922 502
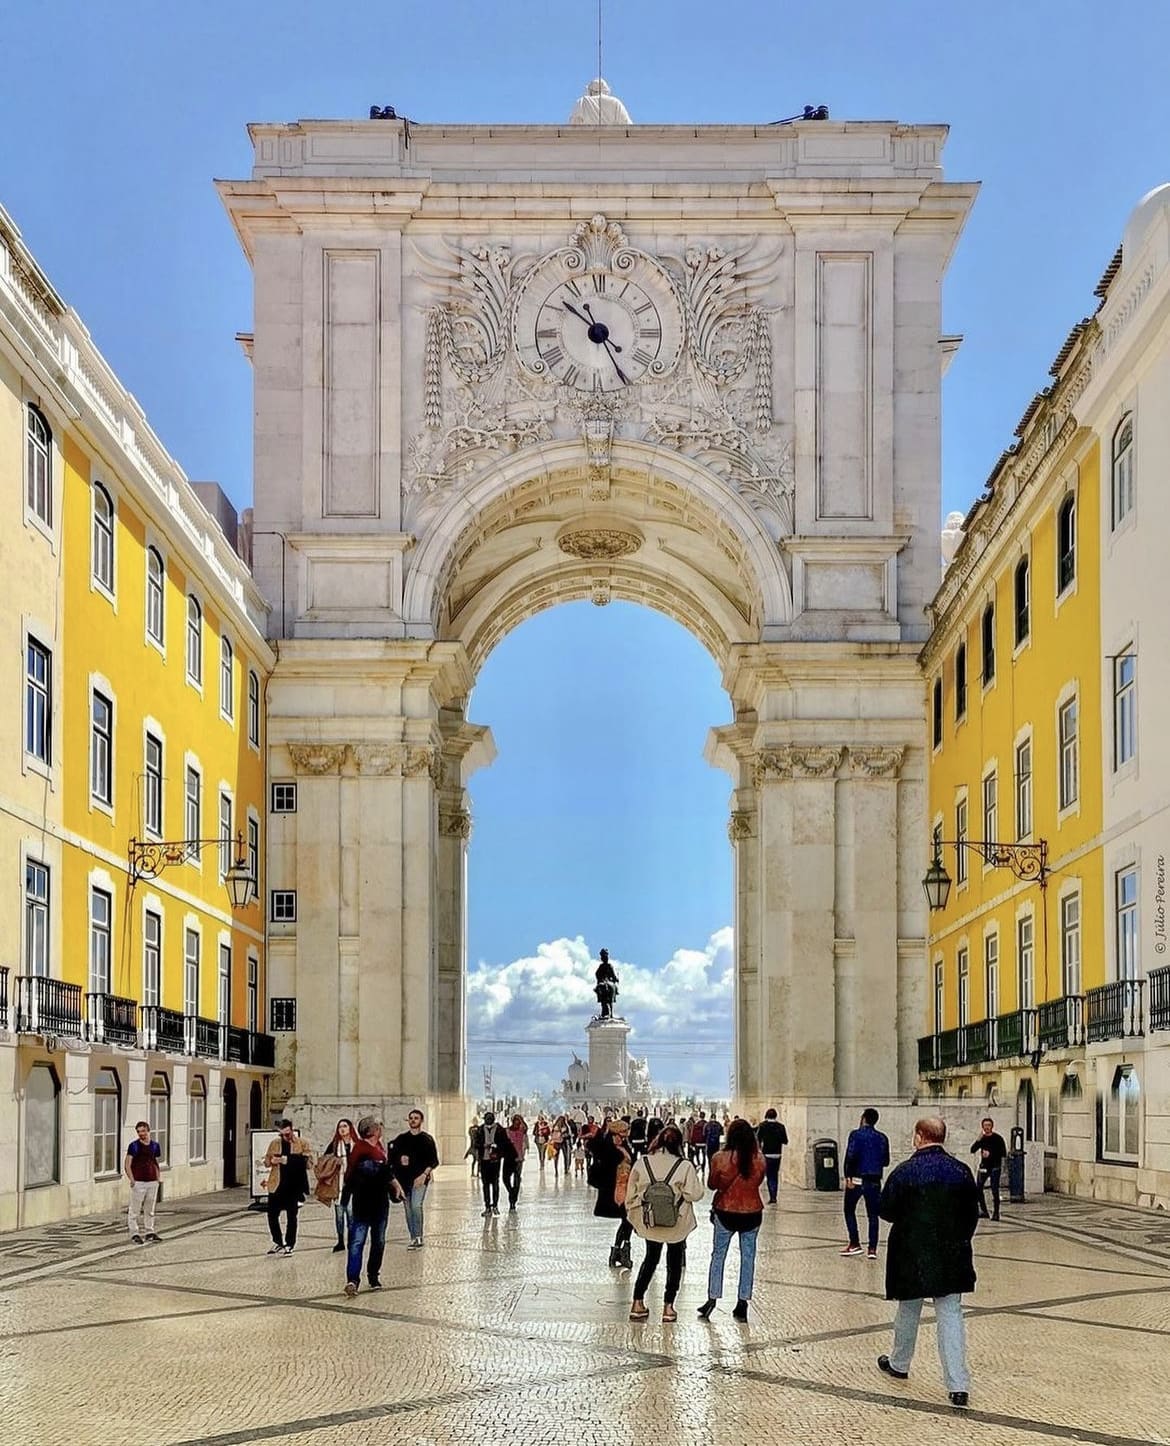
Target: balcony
1114 1011
48 1006
1060 1022
1159 982
928 1054
233 1044
163 1029
110 1019
975 1044
948 1048
203 1037
263 1050
3 997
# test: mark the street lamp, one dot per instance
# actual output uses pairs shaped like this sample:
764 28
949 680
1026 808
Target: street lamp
1028 861
148 858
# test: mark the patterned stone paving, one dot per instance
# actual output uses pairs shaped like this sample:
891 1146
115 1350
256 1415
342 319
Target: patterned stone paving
514 1330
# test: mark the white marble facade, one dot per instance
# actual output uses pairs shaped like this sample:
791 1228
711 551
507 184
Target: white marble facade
447 442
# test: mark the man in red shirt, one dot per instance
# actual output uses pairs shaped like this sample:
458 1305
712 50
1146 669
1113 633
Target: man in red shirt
141 1168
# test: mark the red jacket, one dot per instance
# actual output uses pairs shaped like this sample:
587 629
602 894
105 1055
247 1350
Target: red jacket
735 1193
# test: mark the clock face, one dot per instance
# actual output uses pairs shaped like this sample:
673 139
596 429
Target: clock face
599 330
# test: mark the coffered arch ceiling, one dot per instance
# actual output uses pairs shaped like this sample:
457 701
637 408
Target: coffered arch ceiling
539 530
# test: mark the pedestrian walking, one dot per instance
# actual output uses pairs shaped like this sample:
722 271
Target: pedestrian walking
330 1176
637 1137
659 1199
867 1156
612 1162
555 1147
288 1161
511 1170
932 1203
141 1168
772 1137
470 1154
414 1158
492 1147
540 1136
992 1151
735 1173
369 1187
714 1135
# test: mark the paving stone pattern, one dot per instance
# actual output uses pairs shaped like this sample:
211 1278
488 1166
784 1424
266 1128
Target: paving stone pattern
514 1330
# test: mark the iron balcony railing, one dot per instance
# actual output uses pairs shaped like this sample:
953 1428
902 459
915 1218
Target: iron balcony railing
233 1044
205 1035
974 1045
162 1029
927 1053
1060 1022
262 1048
109 1019
1114 1011
948 1048
1015 1034
3 996
48 1006
1159 1001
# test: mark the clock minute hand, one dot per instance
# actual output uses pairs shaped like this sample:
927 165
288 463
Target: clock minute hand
576 313
625 381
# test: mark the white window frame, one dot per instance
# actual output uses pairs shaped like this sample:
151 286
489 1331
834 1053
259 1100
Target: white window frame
154 607
1068 750
193 827
158 1114
963 984
1018 642
227 679
41 694
101 934
193 641
154 814
990 792
192 965
225 835
99 740
283 906
254 709
102 540
285 798
197 1120
1121 1111
1025 959
107 1124
1067 504
153 922
1025 815
1126 932
962 834
1124 707
38 468
38 917
253 988
991 974
986 678
1121 473
253 853
962 679
223 979
1071 940
940 999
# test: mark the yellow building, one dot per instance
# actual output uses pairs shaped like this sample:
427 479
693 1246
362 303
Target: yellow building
131 789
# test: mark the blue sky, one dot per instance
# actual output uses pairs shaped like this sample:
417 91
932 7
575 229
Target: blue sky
599 820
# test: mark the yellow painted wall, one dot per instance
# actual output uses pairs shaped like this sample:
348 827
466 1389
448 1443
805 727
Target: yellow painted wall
108 638
1064 647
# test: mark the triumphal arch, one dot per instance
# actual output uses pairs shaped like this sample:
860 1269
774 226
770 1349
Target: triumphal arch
500 367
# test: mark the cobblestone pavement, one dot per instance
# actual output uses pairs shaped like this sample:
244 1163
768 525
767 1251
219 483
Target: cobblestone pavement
514 1330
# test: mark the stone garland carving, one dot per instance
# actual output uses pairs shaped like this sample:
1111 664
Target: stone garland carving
796 761
399 760
876 762
455 822
317 758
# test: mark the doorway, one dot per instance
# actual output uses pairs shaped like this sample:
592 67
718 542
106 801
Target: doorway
229 1134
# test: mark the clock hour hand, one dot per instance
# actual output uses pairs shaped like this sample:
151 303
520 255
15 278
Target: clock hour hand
598 331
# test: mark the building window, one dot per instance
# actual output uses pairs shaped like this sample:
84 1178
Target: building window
254 855
42 1127
1067 743
1023 600
155 596
1026 1109
1070 943
960 681
939 999
152 799
107 1122
193 810
192 947
1126 903
1124 706
197 1120
936 713
961 841
103 538
38 702
36 919
988 635
224 985
284 906
1025 961
1024 788
284 798
194 641
991 976
253 709
151 957
1123 470
1066 544
224 835
100 920
1122 1107
39 468
991 807
253 993
159 1116
101 752
964 972
227 701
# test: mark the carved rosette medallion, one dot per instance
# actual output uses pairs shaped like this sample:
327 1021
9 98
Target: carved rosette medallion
876 762
599 544
317 758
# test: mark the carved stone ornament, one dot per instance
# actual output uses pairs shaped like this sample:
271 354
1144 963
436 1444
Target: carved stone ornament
599 544
455 823
421 760
816 762
601 592
741 825
317 758
876 762
772 763
378 758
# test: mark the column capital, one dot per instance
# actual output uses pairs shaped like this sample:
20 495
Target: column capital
797 760
454 822
876 761
317 758
741 825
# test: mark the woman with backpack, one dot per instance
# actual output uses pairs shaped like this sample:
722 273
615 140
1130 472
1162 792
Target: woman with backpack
658 1203
735 1174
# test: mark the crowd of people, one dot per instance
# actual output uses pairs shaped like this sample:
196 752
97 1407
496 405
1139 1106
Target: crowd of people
648 1173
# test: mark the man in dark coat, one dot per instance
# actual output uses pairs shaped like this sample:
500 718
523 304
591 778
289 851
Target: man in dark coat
932 1203
492 1147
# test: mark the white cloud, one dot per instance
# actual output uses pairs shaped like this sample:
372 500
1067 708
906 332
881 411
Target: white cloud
527 1016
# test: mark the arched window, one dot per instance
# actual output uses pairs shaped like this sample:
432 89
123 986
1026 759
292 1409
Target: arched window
987 631
1066 544
1122 1111
103 538
39 467
42 1126
194 641
107 1122
1023 601
1026 1109
936 713
1122 471
159 1111
960 681
197 1120
227 704
155 596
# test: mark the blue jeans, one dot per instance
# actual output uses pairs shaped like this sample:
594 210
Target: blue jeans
871 1191
358 1230
413 1203
952 1339
343 1220
747 1260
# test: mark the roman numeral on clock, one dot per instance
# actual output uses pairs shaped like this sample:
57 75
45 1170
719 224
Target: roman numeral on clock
599 282
643 358
548 333
553 357
642 310
570 375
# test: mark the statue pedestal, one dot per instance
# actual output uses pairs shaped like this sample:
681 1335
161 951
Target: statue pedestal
608 1060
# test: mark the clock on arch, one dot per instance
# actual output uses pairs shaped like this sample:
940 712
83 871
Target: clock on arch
598 315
